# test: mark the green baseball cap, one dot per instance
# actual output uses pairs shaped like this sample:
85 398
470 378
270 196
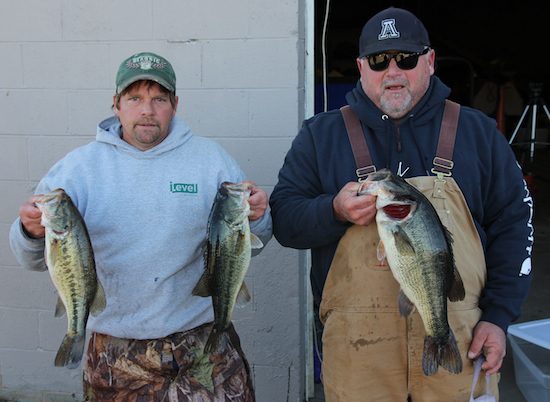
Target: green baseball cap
145 66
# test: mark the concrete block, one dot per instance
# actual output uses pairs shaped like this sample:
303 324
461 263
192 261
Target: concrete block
43 104
276 384
260 158
14 161
51 329
30 20
272 337
7 259
273 19
86 108
14 193
62 397
107 20
216 113
11 70
254 63
178 20
35 371
44 152
23 289
69 65
186 58
274 113
19 329
23 395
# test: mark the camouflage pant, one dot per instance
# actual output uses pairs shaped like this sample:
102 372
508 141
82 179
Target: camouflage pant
171 369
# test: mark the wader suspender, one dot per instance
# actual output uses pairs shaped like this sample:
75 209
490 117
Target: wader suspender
443 163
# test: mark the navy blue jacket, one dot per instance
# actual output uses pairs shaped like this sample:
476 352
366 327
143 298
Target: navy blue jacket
320 162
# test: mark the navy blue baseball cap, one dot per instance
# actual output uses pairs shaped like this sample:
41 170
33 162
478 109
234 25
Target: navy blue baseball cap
393 29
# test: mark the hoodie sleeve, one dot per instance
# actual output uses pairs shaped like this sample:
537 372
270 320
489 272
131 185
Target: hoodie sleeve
302 211
28 252
508 213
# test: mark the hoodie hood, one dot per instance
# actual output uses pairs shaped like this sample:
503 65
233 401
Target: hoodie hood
109 132
423 111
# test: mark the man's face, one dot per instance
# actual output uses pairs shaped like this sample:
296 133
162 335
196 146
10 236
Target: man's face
145 114
394 90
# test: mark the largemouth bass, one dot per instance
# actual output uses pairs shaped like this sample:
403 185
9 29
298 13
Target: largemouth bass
70 260
227 255
419 252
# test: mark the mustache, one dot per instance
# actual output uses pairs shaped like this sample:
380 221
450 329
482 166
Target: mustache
147 122
398 82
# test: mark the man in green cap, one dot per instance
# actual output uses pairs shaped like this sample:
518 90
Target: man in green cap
145 188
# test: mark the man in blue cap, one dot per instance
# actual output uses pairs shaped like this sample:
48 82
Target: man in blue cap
398 117
145 188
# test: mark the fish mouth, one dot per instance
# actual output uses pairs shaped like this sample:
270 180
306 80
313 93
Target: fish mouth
379 175
48 198
43 201
237 189
48 206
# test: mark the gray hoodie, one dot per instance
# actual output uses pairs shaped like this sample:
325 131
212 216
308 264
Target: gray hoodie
146 212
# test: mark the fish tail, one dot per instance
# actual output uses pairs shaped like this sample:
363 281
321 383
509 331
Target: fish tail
441 353
70 352
449 355
216 341
429 357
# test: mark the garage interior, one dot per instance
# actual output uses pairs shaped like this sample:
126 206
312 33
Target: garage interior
492 56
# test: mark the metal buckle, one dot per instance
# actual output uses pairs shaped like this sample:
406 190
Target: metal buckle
363 172
444 164
441 175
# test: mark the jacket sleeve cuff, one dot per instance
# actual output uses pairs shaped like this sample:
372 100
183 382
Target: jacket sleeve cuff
497 317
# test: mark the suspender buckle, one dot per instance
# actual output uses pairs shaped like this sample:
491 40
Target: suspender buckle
363 172
442 166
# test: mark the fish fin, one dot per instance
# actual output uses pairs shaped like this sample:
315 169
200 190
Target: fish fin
211 256
70 352
99 302
445 354
243 296
430 356
203 287
216 341
449 355
60 310
380 251
405 305
255 241
403 243
448 235
456 291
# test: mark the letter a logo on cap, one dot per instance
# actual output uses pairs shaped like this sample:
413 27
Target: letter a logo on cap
389 30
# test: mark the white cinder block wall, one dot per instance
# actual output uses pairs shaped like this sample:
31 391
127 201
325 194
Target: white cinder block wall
239 66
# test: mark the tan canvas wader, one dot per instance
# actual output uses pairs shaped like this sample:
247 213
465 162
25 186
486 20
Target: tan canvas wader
370 352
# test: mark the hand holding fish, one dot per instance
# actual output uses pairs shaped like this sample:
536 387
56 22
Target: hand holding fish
490 340
350 207
30 217
257 201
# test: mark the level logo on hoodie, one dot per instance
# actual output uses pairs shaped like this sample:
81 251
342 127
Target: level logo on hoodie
190 188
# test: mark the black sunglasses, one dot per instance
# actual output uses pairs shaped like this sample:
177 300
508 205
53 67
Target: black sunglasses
404 60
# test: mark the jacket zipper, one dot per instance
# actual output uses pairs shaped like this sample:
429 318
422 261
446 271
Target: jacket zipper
398 137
